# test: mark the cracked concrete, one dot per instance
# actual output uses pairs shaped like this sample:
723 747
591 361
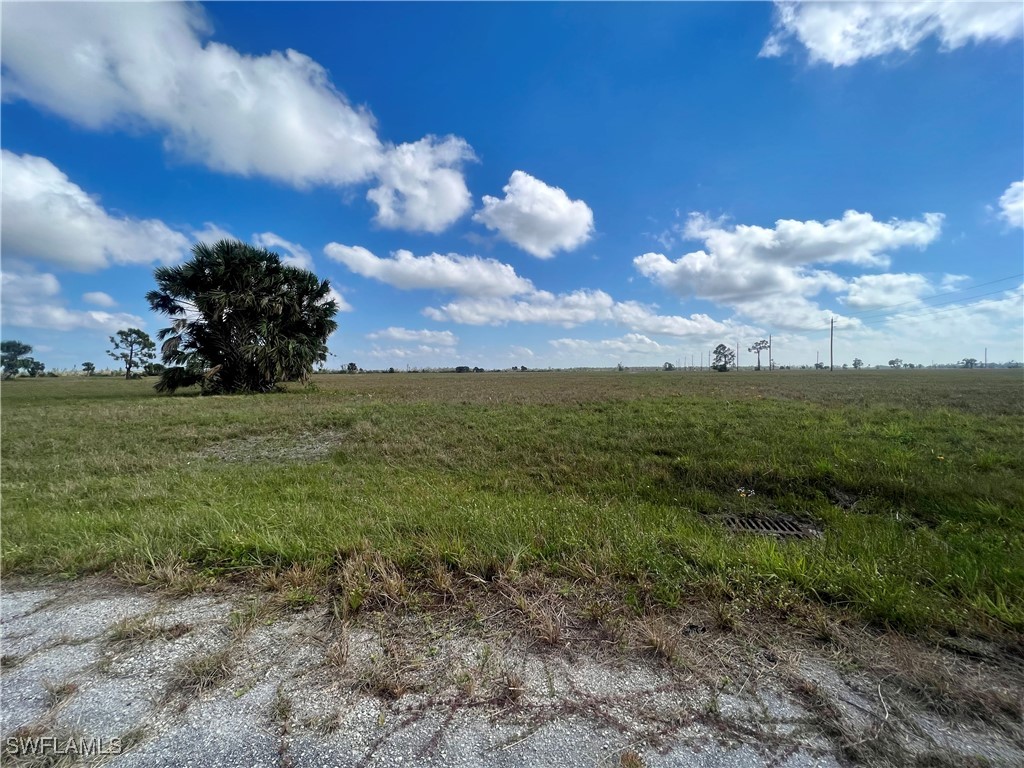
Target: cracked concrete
388 690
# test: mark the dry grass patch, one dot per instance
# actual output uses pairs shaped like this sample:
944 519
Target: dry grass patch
135 631
58 693
199 674
390 674
657 637
510 688
170 574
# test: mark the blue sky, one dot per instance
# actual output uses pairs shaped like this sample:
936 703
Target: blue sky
529 184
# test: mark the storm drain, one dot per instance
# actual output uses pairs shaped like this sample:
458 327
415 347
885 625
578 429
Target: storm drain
766 526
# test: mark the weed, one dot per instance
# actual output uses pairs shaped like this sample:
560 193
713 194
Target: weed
337 654
510 688
389 674
58 693
135 630
630 759
657 638
199 674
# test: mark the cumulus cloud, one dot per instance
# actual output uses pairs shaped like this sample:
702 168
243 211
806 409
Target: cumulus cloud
421 352
99 298
538 218
886 290
1011 204
577 308
643 319
944 335
405 335
33 300
469 275
565 309
630 344
769 273
47 217
294 255
420 187
841 34
279 116
343 306
211 233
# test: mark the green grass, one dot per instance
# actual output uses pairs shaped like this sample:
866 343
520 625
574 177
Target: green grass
916 478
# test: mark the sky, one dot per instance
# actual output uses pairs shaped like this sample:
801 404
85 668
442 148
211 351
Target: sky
548 185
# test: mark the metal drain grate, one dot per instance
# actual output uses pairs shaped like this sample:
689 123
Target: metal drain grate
766 526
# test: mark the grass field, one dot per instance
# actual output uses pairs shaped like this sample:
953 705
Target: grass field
914 478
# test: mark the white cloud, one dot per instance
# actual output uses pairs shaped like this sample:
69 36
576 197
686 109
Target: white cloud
536 217
643 319
944 335
565 309
211 233
421 188
469 275
579 307
841 34
279 116
423 353
405 335
886 290
1011 204
768 274
47 217
343 306
99 298
630 344
33 300
294 254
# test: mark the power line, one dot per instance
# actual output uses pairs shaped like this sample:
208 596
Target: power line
914 316
877 310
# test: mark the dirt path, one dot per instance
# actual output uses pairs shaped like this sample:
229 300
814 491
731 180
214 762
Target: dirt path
220 679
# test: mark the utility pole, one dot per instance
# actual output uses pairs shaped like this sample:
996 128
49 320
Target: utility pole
771 360
831 334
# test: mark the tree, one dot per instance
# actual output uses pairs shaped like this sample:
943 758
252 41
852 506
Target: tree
133 348
353 368
33 367
88 368
969 362
12 354
895 363
668 367
241 320
758 348
857 363
724 357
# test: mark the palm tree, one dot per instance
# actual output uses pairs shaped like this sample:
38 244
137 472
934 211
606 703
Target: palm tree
241 321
